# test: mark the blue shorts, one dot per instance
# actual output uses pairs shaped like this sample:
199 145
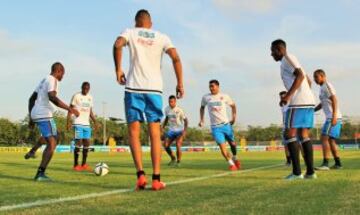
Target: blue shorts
299 118
172 135
82 132
223 133
139 104
47 128
332 131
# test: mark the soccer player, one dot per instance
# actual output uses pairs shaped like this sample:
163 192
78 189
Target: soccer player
221 126
178 123
41 112
300 115
143 88
83 102
332 126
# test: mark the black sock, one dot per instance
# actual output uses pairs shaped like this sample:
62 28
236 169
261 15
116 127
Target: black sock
140 173
337 161
41 170
85 154
233 149
168 150
294 155
288 159
308 156
156 177
325 162
76 156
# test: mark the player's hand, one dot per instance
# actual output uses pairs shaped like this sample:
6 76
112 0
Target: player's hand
201 123
179 91
120 77
75 112
334 121
232 122
31 124
284 100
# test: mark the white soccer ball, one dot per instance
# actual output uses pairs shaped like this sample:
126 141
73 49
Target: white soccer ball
101 169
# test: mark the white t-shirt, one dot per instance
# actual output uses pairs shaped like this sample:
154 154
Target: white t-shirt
176 117
44 108
303 96
146 48
217 107
84 104
326 91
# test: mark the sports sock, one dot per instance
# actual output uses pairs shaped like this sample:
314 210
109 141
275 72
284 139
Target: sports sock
308 156
233 149
140 173
294 155
325 162
41 170
85 154
76 156
156 177
337 161
234 158
168 150
288 159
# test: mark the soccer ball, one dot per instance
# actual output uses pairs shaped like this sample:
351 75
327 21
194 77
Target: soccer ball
101 169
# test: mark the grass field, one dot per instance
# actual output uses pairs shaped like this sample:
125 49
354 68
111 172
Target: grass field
251 191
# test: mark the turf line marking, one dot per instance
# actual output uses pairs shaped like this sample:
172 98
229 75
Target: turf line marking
119 191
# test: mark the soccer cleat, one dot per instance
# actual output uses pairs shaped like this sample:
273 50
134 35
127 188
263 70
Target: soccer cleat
294 177
233 168
86 167
172 163
29 155
312 176
78 168
141 183
237 164
336 167
41 177
322 168
158 185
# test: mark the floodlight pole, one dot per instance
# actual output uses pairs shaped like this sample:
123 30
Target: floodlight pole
104 122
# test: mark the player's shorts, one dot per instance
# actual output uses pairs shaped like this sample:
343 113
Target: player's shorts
223 133
139 104
82 132
332 131
47 128
299 118
172 135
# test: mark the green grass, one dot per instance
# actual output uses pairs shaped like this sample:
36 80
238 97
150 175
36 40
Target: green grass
256 192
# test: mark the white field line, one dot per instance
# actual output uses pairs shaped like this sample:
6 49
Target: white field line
119 191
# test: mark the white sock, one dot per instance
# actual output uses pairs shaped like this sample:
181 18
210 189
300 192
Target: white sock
231 162
234 158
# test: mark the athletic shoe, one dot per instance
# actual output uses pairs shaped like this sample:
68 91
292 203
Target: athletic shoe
172 163
312 176
29 155
294 177
86 167
41 177
322 168
233 168
78 168
141 183
237 164
336 167
158 185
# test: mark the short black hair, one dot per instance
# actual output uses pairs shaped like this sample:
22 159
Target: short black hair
278 42
214 81
56 66
142 14
84 84
282 93
172 97
320 72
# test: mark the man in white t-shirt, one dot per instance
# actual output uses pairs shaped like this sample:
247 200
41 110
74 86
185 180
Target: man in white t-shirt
177 124
300 115
143 88
333 123
41 108
83 102
221 126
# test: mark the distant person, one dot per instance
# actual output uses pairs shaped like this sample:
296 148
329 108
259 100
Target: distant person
143 88
332 126
177 124
221 126
82 102
300 115
41 112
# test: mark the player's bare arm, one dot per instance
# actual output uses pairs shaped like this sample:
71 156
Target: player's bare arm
299 77
165 123
334 106
233 114
56 101
32 100
68 120
93 118
202 113
186 123
178 71
117 53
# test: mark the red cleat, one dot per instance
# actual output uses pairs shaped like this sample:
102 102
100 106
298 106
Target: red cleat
237 164
233 168
141 183
78 168
86 167
158 185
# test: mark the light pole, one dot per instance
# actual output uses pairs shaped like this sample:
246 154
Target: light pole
104 122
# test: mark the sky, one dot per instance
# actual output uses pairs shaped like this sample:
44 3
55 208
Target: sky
228 40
